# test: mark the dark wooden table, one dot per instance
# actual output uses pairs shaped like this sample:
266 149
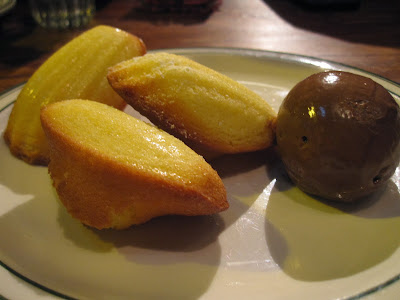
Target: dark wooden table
365 36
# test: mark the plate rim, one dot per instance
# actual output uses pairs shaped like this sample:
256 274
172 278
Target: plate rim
246 52
286 56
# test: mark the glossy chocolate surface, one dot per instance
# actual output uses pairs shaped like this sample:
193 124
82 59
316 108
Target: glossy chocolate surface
339 135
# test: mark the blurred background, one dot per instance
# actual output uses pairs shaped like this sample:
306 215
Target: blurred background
360 33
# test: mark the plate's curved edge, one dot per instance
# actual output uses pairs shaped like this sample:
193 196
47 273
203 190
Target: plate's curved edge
298 58
375 289
6 96
9 100
301 59
6 100
34 283
11 89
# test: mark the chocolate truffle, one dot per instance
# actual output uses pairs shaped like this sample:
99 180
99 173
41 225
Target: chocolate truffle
338 135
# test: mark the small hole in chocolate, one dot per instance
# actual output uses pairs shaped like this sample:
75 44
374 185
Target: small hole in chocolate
304 139
376 179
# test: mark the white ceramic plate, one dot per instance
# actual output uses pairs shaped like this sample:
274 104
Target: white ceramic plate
274 242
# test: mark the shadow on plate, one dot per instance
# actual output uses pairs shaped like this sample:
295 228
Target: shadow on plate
170 257
169 239
245 177
316 240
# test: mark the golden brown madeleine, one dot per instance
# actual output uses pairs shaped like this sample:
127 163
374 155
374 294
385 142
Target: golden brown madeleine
77 70
112 170
198 105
